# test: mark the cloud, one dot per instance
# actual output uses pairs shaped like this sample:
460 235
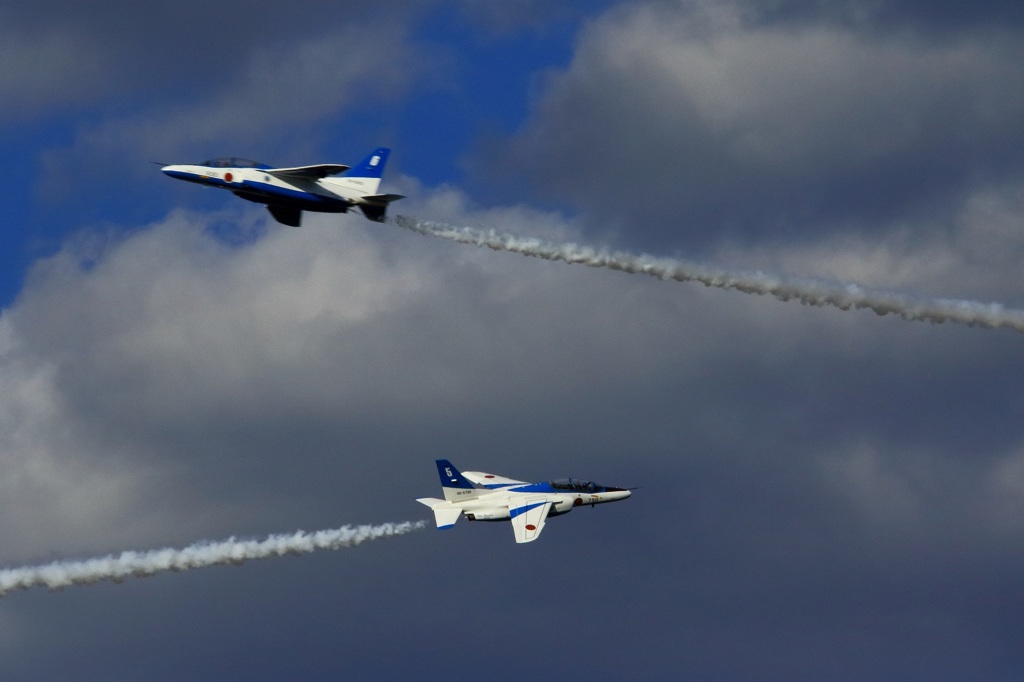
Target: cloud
295 84
53 494
149 319
970 253
45 67
132 359
697 124
59 56
169 383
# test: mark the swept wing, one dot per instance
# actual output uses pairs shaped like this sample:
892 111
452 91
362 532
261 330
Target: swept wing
528 517
314 172
490 480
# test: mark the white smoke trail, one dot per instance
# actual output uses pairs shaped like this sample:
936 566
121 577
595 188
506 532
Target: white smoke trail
784 288
60 574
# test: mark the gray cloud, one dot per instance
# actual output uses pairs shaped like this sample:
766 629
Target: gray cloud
694 125
60 55
41 66
797 465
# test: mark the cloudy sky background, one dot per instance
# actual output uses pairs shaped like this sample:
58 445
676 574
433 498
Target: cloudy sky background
825 494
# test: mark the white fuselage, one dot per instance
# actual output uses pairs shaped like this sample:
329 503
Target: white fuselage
495 506
324 194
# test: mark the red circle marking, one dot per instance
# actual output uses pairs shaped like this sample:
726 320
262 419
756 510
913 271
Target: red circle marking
489 476
228 177
530 526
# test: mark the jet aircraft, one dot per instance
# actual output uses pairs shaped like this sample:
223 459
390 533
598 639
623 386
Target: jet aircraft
486 497
287 192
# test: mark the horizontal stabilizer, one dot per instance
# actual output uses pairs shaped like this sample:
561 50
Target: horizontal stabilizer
314 172
375 206
381 198
445 516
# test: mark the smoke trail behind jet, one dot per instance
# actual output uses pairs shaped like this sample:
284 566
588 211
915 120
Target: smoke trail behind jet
785 288
60 574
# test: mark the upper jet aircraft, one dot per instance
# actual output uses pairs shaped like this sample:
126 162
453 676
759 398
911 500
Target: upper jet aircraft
486 497
288 192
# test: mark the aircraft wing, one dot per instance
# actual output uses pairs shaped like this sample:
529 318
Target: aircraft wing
490 480
315 172
528 516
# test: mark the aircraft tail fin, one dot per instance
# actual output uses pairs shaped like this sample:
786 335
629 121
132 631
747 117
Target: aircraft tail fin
360 184
453 483
364 177
372 166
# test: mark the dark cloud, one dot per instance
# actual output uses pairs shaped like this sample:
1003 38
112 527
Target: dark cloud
802 470
122 48
691 127
917 17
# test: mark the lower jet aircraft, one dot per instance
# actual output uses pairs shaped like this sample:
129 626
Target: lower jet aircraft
486 497
288 192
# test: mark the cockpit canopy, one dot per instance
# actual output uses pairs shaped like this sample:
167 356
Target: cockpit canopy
575 485
234 162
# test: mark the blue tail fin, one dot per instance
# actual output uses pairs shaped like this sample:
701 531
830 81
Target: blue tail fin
372 166
453 483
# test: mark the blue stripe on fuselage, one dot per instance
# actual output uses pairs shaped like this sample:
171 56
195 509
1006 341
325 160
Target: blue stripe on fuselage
293 197
546 487
538 488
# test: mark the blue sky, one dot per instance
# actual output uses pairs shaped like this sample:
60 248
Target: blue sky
824 494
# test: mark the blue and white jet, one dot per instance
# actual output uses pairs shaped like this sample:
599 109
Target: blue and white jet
486 497
288 192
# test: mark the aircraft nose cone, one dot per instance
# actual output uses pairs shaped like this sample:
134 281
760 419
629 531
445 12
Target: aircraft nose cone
617 493
175 172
